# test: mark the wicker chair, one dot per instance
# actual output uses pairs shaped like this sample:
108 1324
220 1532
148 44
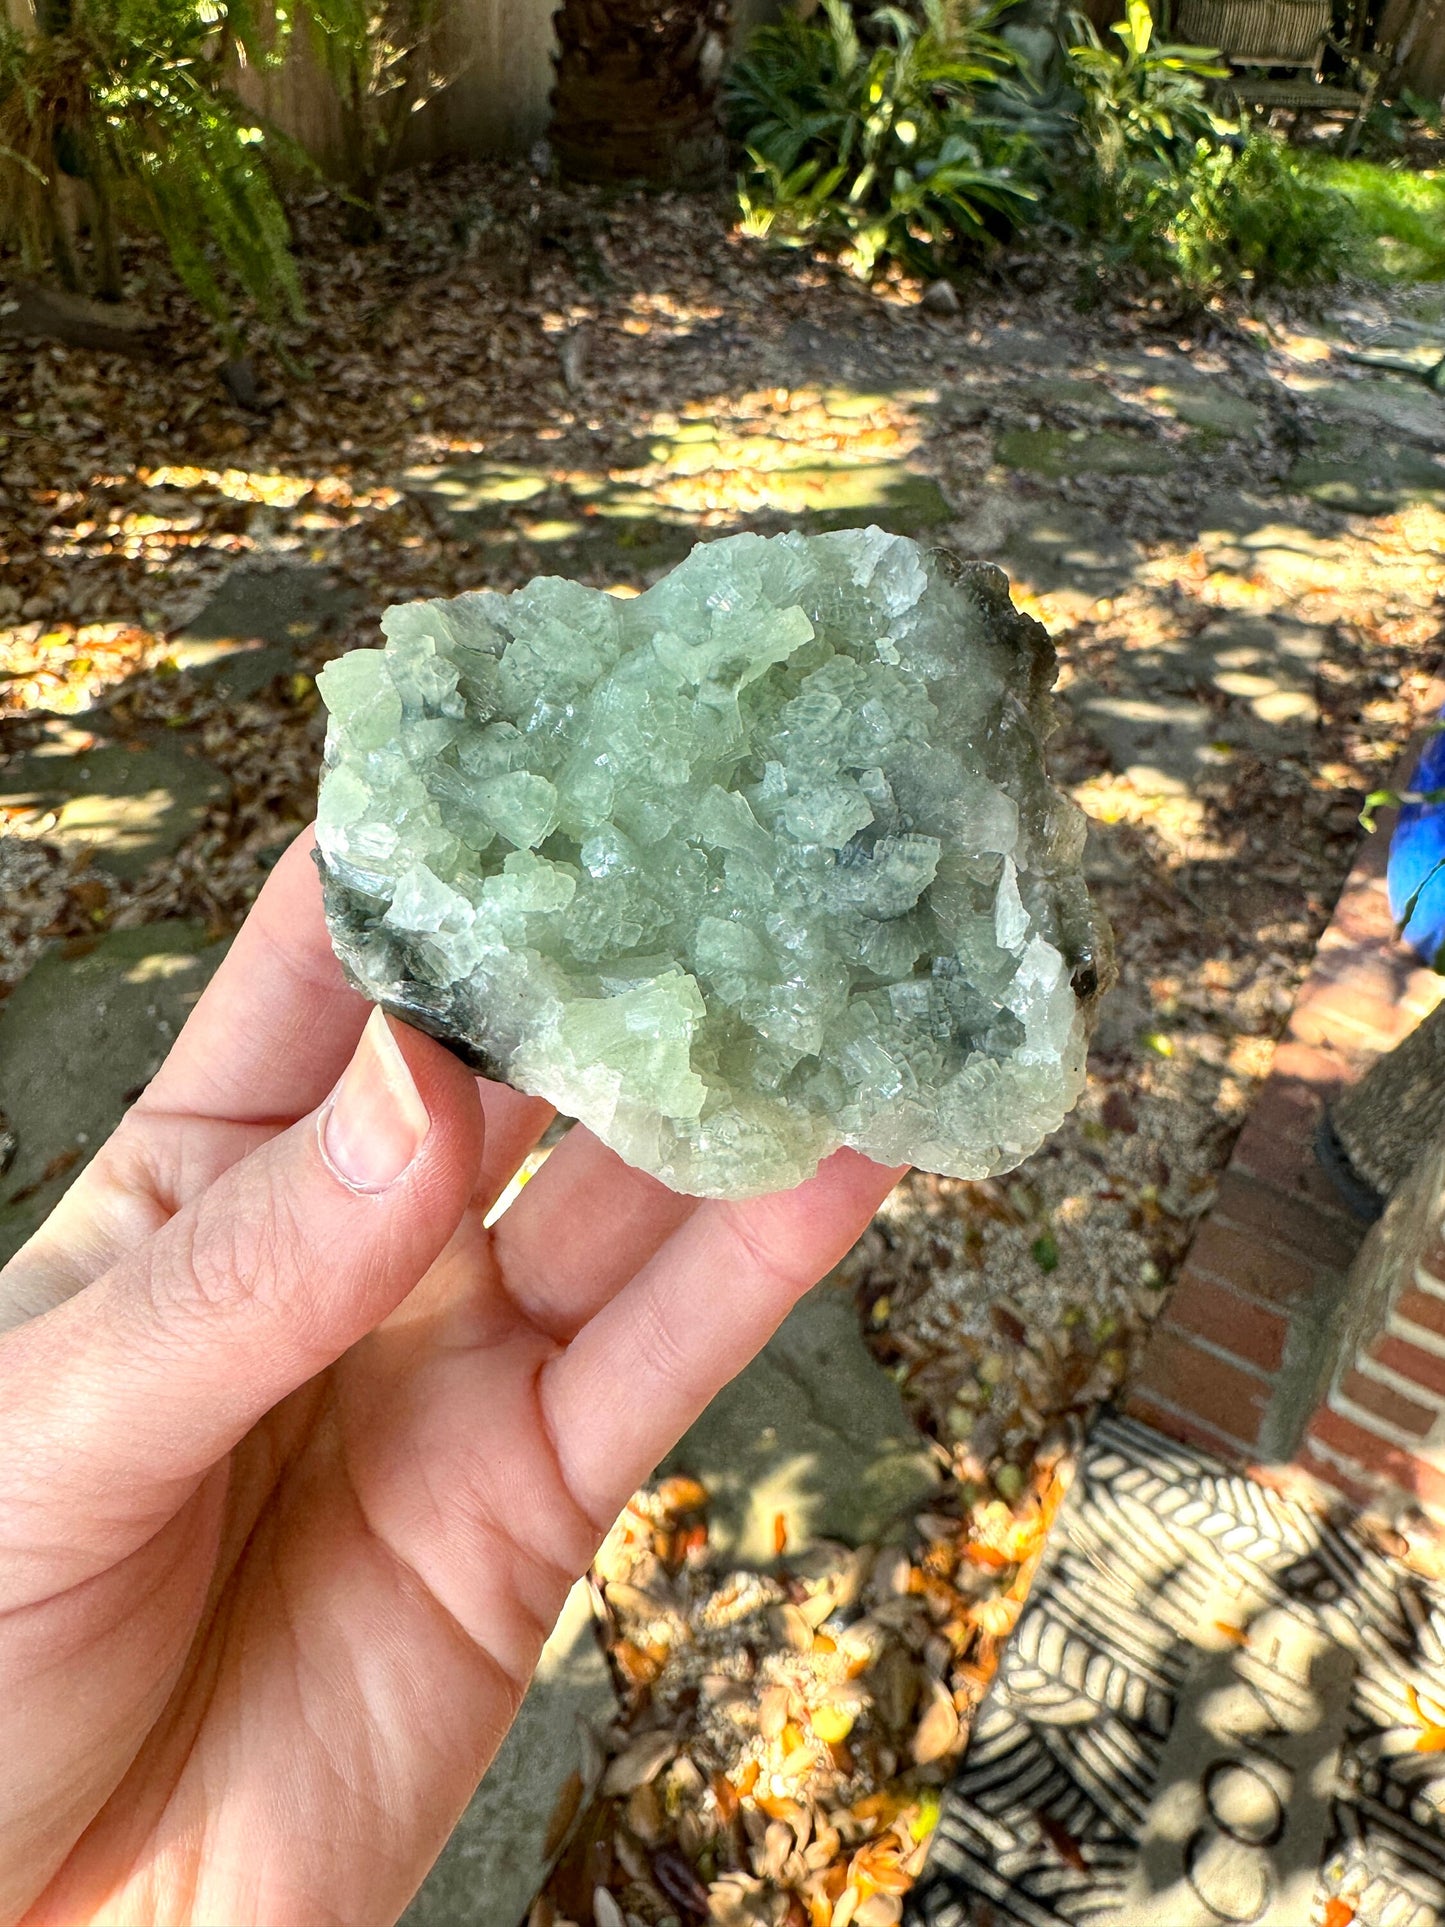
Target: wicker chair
1259 37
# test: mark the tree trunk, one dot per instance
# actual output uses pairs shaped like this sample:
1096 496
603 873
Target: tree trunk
637 91
1396 1110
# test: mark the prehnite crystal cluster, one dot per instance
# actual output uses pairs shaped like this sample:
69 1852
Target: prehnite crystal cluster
759 863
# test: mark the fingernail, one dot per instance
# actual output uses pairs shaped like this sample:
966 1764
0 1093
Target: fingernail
375 1123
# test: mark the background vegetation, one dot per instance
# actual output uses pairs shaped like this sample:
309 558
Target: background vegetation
925 135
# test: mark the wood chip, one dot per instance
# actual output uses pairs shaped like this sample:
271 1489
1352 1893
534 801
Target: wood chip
638 1763
937 1731
791 1629
773 1711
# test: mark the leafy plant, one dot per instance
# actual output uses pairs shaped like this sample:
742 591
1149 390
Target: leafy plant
121 103
1173 189
873 145
1147 104
1244 213
379 56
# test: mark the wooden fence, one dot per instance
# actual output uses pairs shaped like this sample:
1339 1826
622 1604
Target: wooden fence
501 54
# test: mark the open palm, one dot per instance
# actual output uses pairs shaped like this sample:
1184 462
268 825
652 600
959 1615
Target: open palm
295 1474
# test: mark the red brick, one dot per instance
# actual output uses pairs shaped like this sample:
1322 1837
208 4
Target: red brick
1228 1396
1420 993
1185 1427
1362 917
1422 1368
1355 1490
1384 1402
1422 1309
1372 853
1431 1262
1280 1133
1276 1149
1324 1070
1376 1455
1324 1237
1246 1331
1387 974
1238 1259
1344 1017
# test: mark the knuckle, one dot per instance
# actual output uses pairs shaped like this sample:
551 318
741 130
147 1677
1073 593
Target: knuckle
237 1255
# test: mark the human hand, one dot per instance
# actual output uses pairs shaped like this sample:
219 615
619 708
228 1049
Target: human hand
298 1461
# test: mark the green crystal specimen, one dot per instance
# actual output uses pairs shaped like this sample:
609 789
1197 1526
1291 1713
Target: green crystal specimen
758 863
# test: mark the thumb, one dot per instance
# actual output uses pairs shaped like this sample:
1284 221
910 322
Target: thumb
115 1403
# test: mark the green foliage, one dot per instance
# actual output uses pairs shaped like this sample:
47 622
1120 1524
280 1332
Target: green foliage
1168 187
1242 213
873 145
378 55
1145 105
126 97
1398 214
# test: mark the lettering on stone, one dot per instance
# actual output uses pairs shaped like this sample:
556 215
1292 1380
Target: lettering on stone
1236 1832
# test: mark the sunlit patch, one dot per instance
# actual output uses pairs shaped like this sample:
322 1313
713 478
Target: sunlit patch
67 669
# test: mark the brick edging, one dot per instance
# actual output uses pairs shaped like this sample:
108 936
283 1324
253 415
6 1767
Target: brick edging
1239 1357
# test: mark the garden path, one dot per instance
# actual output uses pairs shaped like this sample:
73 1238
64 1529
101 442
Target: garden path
1233 531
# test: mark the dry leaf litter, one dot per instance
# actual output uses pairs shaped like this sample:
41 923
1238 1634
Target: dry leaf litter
782 1736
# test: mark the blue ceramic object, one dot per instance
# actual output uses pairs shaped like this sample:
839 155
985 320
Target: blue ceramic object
1416 873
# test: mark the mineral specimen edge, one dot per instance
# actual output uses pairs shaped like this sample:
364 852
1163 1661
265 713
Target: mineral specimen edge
758 863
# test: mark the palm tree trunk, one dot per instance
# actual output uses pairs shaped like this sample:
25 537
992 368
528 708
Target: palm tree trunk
637 87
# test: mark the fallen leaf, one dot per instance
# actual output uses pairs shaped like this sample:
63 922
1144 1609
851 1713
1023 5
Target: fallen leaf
1432 1730
1062 1841
937 1730
569 1802
605 1910
638 1763
680 1494
832 1724
678 1880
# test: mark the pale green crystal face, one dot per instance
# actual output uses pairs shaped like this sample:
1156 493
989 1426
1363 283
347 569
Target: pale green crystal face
760 863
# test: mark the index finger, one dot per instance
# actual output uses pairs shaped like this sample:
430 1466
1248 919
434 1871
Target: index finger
277 1025
278 1022
638 1373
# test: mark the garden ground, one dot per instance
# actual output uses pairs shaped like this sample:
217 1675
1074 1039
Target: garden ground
1234 528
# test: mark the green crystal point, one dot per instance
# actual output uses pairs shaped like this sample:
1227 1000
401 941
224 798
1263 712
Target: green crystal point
759 863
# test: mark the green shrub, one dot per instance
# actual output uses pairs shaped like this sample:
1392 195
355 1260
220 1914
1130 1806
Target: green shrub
1169 187
125 96
378 56
876 148
1145 106
1241 214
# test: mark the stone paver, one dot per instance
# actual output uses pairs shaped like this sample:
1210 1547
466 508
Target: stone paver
1363 474
124 806
1204 1715
1165 745
1057 452
505 1843
1010 345
1399 407
1208 405
1089 397
250 630
814 1432
648 513
79 1039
